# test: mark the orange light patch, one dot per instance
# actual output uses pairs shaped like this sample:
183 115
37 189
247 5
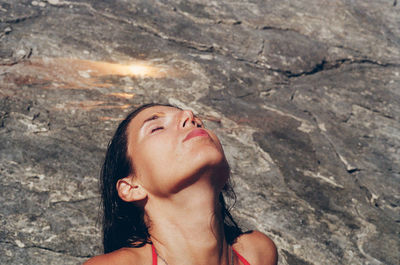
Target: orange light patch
106 118
98 68
90 105
69 73
122 95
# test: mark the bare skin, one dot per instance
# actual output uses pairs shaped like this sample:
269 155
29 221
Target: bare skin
178 186
256 247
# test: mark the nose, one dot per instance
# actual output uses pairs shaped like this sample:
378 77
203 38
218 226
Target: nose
188 119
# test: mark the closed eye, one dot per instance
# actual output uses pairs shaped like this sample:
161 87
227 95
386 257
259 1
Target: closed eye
156 129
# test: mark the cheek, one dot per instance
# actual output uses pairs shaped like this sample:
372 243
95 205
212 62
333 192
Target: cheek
153 160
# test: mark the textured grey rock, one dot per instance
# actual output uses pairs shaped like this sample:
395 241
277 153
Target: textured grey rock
305 96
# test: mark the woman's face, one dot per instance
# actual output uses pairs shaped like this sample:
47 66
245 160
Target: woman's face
170 149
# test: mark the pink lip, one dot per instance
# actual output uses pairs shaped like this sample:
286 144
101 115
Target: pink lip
196 132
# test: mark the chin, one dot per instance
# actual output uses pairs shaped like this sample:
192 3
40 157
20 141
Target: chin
209 155
214 165
201 164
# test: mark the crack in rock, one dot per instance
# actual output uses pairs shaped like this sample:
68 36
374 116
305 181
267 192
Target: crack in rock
325 66
201 47
20 244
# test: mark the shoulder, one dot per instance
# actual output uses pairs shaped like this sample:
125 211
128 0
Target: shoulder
123 256
257 248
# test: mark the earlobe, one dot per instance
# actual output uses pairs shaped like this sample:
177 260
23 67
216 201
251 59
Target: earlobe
130 191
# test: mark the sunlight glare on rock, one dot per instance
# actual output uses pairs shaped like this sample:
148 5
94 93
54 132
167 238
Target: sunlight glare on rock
139 70
72 73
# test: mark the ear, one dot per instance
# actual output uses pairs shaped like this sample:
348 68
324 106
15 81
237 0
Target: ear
130 191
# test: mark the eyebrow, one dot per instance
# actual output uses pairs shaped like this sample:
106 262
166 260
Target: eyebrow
151 118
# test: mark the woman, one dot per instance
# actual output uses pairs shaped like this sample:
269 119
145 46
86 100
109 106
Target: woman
162 183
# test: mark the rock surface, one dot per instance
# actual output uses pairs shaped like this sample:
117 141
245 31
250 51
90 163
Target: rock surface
304 95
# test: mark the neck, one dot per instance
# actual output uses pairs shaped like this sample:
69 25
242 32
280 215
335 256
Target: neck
188 229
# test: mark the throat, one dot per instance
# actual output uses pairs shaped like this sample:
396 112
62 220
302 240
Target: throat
189 238
188 229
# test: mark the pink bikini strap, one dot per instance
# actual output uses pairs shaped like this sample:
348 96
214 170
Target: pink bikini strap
245 262
154 254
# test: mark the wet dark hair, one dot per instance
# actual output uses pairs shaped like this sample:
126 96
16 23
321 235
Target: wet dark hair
123 222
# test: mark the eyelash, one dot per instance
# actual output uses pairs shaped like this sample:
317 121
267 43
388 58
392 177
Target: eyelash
157 128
